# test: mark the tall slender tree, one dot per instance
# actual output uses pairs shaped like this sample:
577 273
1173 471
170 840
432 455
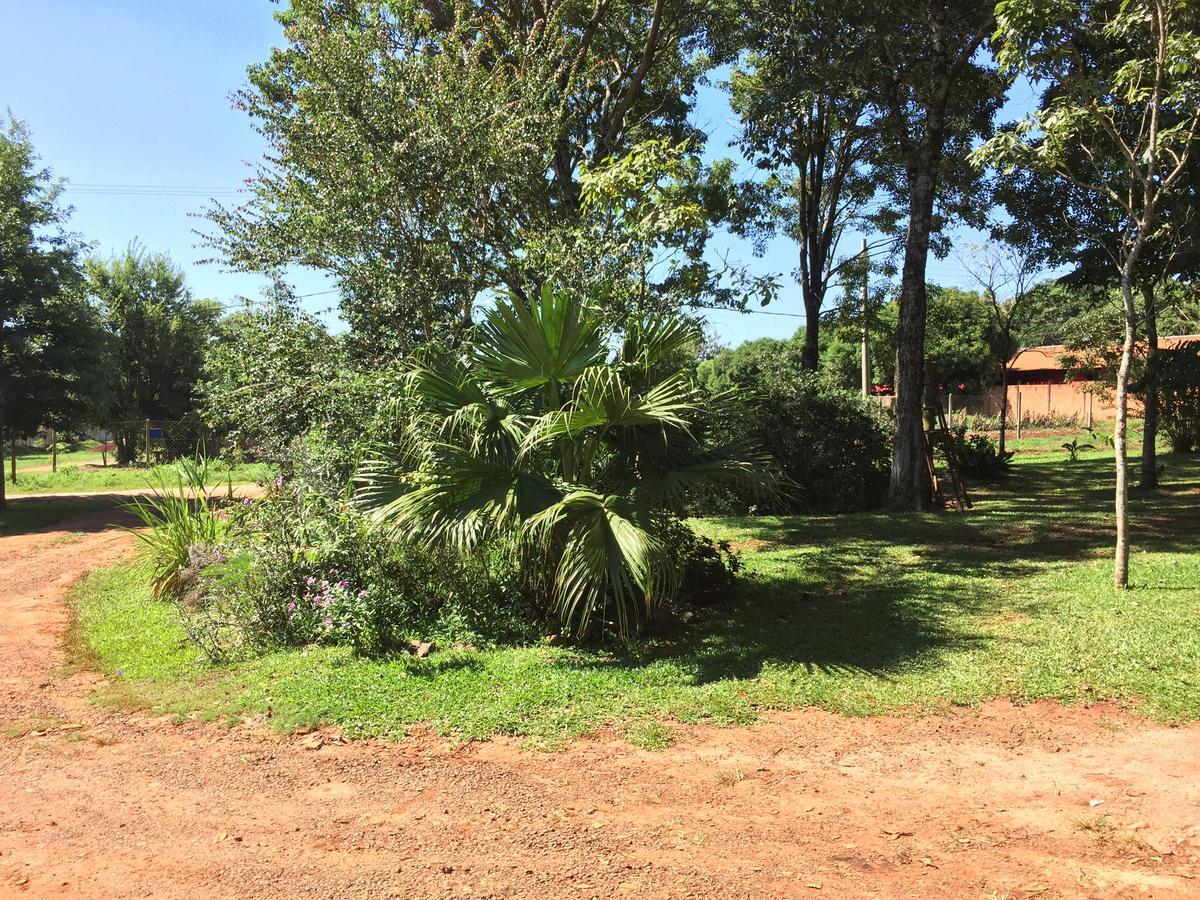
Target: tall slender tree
1119 120
936 96
806 118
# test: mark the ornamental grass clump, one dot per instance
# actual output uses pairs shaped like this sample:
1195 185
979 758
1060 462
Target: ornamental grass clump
181 519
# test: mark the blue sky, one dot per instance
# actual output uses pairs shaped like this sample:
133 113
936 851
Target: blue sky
128 100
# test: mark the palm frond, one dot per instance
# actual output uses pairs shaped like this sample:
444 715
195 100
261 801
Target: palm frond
603 398
460 498
550 339
609 551
651 341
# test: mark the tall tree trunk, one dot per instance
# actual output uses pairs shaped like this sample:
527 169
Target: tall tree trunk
1149 474
1120 440
811 356
910 487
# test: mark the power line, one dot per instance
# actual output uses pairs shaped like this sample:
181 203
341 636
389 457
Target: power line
149 190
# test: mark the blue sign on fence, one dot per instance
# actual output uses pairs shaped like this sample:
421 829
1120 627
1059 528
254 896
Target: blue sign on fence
157 434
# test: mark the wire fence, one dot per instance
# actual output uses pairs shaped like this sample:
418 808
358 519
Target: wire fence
1032 406
153 441
1038 407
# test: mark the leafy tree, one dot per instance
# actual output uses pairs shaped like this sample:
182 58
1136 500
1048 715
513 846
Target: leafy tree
1064 226
1050 308
1005 273
960 341
1175 375
936 98
806 119
544 434
829 443
427 153
930 96
159 335
269 377
1119 120
644 226
50 342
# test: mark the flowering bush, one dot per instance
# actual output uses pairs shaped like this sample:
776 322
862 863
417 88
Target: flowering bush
301 566
332 613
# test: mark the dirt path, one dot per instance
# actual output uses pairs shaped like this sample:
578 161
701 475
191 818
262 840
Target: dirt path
989 803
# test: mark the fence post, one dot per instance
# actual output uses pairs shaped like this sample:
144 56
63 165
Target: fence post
147 443
1088 407
950 409
53 450
1018 412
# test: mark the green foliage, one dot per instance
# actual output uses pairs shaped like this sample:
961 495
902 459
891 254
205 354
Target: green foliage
158 340
978 456
1074 447
1175 374
961 339
710 568
830 444
272 374
313 571
806 116
427 155
180 520
868 614
543 435
50 337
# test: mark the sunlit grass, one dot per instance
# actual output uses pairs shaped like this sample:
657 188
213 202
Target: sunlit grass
867 613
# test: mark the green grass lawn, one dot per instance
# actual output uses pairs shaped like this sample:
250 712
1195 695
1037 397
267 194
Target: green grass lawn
78 472
866 613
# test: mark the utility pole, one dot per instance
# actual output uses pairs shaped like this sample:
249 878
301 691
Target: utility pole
866 350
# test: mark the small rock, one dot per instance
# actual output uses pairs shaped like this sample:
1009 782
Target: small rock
312 742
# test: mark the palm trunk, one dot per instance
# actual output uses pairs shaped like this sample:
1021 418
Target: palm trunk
1149 474
1120 441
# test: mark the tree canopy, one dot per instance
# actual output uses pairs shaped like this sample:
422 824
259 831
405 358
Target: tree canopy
50 339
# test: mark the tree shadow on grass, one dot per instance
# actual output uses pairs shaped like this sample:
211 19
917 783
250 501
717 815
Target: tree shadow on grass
875 592
29 513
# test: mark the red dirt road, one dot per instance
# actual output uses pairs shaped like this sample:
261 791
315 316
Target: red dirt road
986 803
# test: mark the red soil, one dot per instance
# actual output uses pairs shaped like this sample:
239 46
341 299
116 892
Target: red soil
995 802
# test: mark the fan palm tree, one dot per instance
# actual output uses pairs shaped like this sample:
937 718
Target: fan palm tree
554 431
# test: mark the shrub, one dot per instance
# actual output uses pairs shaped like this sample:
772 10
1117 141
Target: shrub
180 516
1175 373
831 445
709 567
310 569
979 456
553 434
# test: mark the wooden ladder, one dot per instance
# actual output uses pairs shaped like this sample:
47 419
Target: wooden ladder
958 494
